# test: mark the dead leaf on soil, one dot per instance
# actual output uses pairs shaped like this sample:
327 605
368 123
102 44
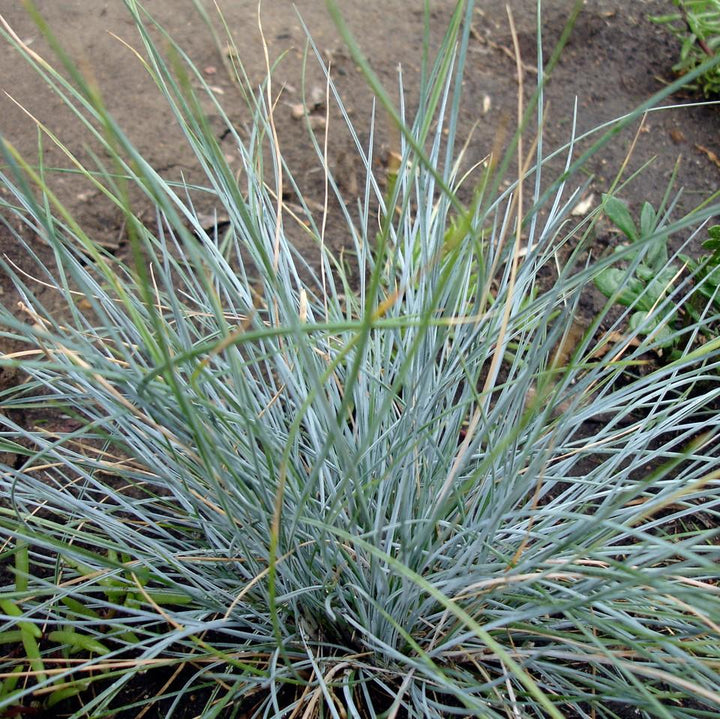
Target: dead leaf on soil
610 342
677 136
710 154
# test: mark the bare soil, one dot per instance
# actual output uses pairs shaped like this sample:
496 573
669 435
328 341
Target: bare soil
615 60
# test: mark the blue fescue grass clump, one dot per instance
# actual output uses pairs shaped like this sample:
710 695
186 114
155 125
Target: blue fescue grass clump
402 495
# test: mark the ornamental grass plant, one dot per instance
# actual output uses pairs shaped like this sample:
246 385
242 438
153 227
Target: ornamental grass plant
284 489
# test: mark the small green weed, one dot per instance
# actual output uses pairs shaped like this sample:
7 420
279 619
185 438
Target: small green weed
647 277
706 271
697 26
644 277
71 632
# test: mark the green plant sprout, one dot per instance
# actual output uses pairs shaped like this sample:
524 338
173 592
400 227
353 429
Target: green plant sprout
697 26
706 271
650 276
121 590
647 278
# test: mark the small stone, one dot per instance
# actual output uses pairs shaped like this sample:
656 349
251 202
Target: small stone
298 111
584 206
317 122
317 97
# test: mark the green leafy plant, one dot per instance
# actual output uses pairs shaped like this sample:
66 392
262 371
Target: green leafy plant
289 492
706 271
647 278
697 26
644 278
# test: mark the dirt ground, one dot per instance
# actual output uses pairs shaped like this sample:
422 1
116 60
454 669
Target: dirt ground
616 59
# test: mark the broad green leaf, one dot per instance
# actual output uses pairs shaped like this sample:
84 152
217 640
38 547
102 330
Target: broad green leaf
7 445
647 220
644 273
646 324
713 244
613 281
67 692
657 254
7 685
692 264
658 287
618 213
709 283
11 609
12 636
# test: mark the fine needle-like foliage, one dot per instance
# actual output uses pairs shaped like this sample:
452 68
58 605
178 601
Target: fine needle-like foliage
398 486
